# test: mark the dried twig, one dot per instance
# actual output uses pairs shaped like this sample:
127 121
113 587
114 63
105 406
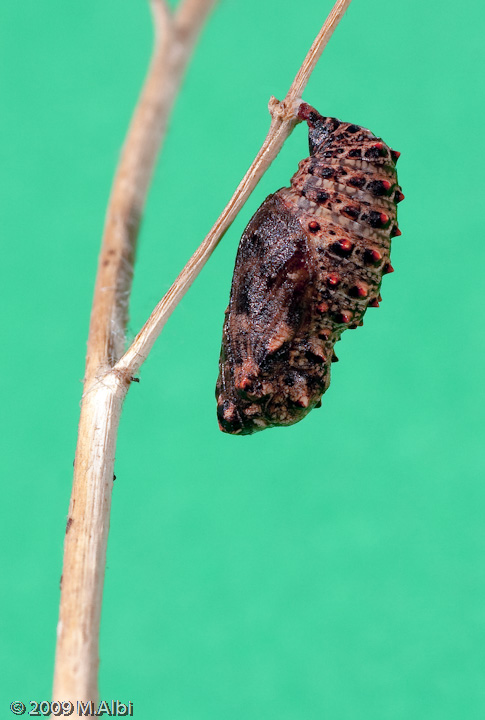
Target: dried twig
175 37
108 377
283 120
76 668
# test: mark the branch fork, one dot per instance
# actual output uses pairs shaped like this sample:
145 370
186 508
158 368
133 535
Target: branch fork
109 372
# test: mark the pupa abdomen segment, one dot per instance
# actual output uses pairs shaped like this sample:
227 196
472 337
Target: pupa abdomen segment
309 263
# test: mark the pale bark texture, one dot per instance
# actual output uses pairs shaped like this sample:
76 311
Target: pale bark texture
77 654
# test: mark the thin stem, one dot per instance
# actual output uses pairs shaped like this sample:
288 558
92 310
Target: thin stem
175 38
106 380
77 656
283 120
189 18
280 128
318 46
75 675
125 207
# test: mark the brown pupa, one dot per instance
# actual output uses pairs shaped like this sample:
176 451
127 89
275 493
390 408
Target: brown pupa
309 264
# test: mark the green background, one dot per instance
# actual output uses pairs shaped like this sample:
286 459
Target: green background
334 569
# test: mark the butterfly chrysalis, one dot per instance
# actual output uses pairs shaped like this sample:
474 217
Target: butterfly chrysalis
309 264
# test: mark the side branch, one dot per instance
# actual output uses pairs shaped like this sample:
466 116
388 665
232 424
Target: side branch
283 120
107 376
282 123
318 46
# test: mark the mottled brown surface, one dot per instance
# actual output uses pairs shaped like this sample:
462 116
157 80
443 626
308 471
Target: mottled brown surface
309 263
